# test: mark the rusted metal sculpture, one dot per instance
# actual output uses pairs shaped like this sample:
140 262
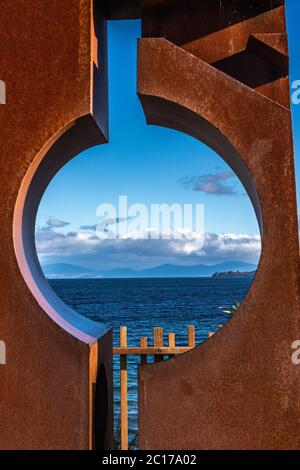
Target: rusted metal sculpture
57 373
219 72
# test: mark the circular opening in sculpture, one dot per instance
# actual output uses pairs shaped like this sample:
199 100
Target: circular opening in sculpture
152 230
103 255
121 246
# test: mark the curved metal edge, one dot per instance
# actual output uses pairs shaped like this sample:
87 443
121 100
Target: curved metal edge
162 112
76 137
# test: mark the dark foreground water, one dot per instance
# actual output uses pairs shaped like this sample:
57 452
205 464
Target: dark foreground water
141 304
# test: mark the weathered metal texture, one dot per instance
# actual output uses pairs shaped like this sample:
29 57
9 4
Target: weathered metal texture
238 390
52 59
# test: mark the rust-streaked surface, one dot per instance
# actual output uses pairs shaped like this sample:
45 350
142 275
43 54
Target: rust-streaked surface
238 390
47 60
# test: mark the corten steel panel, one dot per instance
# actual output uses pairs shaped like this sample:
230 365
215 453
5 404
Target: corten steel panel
238 390
52 57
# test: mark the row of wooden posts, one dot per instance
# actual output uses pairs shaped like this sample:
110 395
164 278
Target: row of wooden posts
158 350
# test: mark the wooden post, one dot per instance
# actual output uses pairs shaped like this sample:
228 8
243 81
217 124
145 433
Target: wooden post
191 336
158 341
158 350
123 390
143 344
172 342
171 337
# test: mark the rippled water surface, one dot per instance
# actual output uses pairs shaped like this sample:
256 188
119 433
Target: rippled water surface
141 304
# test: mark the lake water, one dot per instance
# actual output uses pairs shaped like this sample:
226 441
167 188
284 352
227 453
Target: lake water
141 304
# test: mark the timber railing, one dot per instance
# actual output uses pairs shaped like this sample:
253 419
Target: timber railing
158 350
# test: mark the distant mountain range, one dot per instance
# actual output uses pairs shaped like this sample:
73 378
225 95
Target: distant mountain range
69 271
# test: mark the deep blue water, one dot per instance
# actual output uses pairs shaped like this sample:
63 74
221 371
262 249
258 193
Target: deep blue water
141 304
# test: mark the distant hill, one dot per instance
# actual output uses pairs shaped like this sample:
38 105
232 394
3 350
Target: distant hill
69 271
235 274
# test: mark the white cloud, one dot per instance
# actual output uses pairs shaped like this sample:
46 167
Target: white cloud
54 223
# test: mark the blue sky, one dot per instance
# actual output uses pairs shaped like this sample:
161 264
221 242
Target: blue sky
150 165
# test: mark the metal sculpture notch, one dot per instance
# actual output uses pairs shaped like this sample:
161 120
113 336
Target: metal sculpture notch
2 92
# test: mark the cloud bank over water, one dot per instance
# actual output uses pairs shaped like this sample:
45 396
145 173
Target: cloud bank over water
88 248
